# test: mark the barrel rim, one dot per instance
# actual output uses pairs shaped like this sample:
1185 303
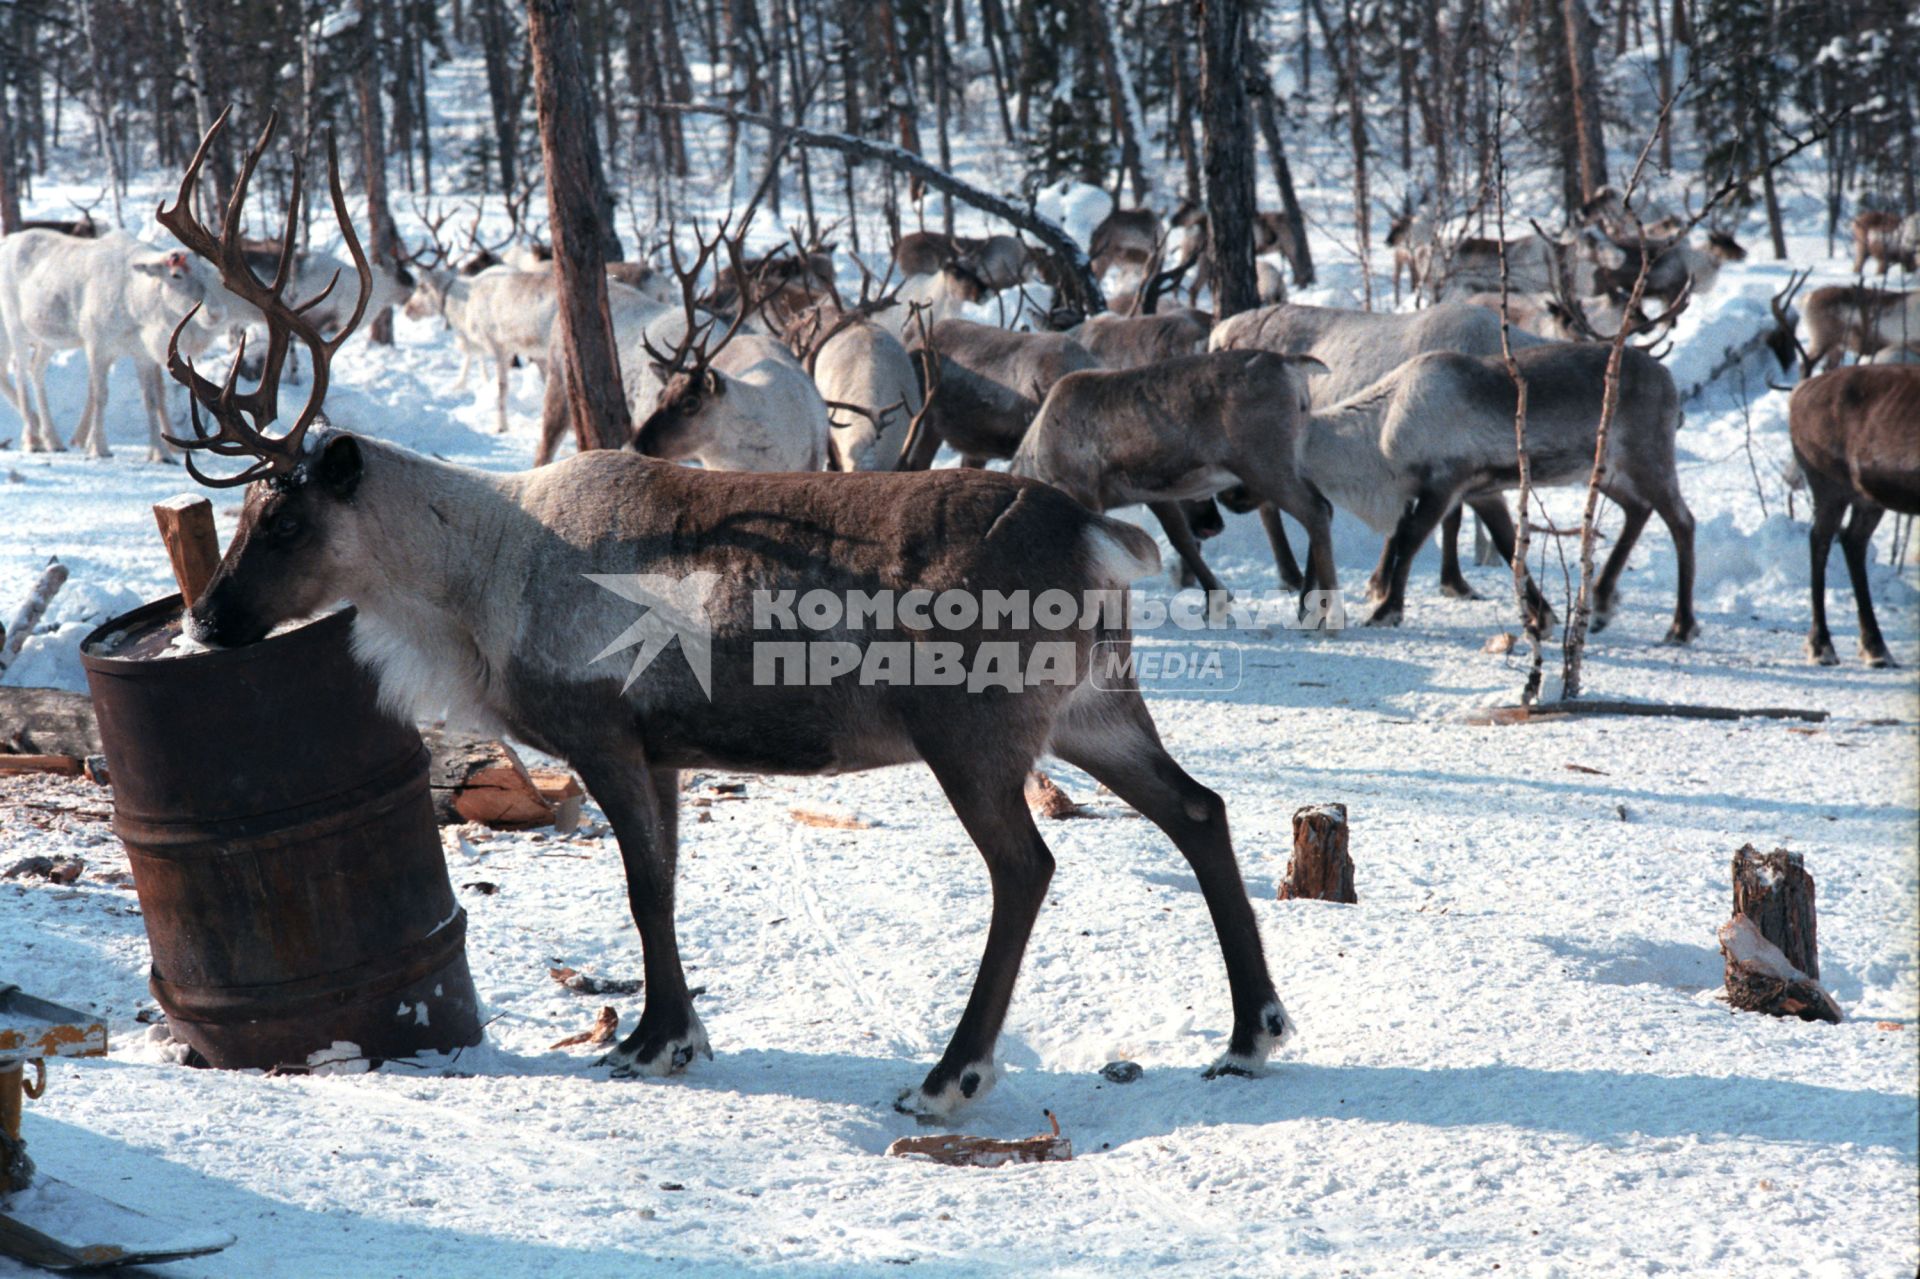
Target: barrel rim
167 604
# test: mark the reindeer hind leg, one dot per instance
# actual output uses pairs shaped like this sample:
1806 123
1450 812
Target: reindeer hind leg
1109 733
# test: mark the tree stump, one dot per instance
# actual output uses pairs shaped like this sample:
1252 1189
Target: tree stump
1320 868
1775 891
1771 943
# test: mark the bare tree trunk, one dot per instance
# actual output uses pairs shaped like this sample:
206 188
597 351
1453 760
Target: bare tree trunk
1584 82
1357 131
1227 131
193 37
575 189
1299 256
101 107
1119 95
1183 110
9 188
382 245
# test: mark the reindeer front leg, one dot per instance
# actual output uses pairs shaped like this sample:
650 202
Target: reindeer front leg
643 806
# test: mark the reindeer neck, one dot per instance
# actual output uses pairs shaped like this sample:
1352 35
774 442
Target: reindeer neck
433 533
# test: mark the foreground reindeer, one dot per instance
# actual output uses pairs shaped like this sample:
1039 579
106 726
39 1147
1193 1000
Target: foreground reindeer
473 593
1856 439
1439 428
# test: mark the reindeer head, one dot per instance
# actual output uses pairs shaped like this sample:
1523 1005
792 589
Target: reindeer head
289 556
690 385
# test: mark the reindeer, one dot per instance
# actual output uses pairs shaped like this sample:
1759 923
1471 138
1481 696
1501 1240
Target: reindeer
1000 261
1131 341
992 382
1855 442
83 227
938 297
632 313
742 403
419 547
1183 429
114 298
1405 451
501 313
1857 318
1359 348
864 372
1888 239
1272 232
1125 237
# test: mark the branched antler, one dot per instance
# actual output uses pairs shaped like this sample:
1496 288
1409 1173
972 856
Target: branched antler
235 435
695 352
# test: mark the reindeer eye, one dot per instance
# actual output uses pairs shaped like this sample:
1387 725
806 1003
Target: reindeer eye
285 526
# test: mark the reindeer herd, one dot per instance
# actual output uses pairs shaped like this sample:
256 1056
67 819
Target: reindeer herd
760 364
815 419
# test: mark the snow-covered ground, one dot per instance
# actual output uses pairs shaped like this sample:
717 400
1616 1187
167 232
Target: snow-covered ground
1513 1055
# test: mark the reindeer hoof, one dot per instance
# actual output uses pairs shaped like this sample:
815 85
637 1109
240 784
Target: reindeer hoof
1598 623
940 1097
652 1054
1460 590
1682 633
1384 616
1820 652
1881 660
1247 1053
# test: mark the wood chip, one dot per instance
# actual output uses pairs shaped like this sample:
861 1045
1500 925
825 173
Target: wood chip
605 1027
986 1152
828 816
1048 800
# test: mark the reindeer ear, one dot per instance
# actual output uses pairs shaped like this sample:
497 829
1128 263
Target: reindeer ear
713 383
340 465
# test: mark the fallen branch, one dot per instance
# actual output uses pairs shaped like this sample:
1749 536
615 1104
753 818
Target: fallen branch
987 1152
16 635
1663 710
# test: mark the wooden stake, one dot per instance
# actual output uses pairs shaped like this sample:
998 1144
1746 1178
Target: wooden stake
1320 869
186 526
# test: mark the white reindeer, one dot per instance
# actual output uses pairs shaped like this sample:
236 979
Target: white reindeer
114 298
500 313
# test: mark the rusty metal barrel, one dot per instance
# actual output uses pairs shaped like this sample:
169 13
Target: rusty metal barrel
283 845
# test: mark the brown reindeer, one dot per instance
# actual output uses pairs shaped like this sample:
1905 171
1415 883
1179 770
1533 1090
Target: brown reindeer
1856 439
422 549
992 382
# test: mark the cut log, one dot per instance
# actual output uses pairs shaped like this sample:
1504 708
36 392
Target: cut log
67 765
193 547
1774 890
47 721
477 780
1760 980
1544 711
563 794
1320 869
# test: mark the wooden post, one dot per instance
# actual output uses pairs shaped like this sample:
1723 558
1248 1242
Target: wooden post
1771 944
1320 868
186 526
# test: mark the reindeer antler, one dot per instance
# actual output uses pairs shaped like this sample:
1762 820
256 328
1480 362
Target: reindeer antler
438 252
929 385
1782 305
236 437
694 342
